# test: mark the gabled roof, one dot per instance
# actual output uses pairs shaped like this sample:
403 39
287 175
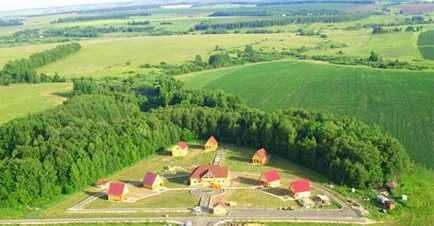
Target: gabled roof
182 145
271 175
216 170
149 178
211 140
116 189
219 203
300 185
261 153
102 182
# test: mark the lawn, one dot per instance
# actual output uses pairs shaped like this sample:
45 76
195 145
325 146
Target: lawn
399 101
253 199
169 199
20 100
426 44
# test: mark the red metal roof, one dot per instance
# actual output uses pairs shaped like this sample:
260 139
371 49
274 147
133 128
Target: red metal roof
149 178
300 186
215 170
182 145
262 153
116 189
271 175
212 140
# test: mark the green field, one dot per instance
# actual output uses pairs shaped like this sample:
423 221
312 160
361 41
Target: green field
399 101
20 100
426 44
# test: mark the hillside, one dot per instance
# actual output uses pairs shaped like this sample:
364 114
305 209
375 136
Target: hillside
399 101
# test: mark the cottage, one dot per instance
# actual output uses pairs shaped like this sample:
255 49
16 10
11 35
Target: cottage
322 199
181 149
153 181
300 188
260 157
270 178
211 144
117 192
390 205
220 208
209 175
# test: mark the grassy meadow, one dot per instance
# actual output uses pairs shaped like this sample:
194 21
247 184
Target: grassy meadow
23 99
426 44
399 101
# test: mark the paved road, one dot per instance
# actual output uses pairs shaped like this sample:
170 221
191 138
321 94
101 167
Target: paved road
218 157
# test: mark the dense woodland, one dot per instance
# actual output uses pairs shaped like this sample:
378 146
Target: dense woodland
23 70
8 23
99 17
280 21
111 124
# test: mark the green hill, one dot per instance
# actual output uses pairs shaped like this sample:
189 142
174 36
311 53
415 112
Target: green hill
425 44
399 101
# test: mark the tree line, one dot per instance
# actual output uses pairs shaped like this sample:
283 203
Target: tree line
99 17
9 23
282 21
110 124
24 70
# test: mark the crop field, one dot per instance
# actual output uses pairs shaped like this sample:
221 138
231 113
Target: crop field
426 44
399 101
20 100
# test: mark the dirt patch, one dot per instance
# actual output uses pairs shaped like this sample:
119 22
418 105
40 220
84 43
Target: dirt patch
58 99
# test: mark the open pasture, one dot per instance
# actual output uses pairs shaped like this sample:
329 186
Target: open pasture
399 101
20 100
122 54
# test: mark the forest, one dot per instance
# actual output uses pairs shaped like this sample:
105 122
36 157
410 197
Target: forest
280 21
110 124
99 17
23 70
8 23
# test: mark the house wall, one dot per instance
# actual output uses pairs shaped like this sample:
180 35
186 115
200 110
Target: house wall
302 194
202 182
176 151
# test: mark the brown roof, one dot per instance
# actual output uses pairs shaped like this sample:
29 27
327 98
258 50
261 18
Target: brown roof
215 170
262 153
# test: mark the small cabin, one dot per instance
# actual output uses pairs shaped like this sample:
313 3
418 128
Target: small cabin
270 178
300 188
220 208
260 157
117 192
152 181
180 150
102 184
211 144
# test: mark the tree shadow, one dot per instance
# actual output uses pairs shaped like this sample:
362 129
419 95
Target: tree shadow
246 180
91 193
240 159
66 94
196 146
164 152
178 180
135 183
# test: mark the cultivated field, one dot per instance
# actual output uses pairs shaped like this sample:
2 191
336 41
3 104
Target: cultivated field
399 101
426 44
20 100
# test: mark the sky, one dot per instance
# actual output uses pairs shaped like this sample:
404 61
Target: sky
27 4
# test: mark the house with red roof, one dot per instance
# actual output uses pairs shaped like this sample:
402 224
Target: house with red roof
260 157
153 181
117 192
181 149
102 184
270 178
209 175
220 208
300 188
211 144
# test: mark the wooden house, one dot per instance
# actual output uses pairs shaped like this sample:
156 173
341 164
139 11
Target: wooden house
270 178
300 188
260 157
117 192
102 184
153 181
181 149
212 175
211 144
220 208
